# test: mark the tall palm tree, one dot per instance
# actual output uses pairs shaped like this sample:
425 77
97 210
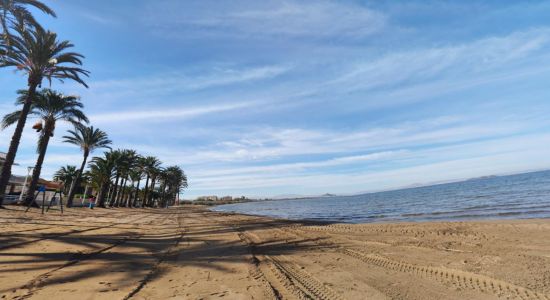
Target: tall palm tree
138 173
66 175
102 170
135 175
14 13
156 175
126 164
39 54
116 157
50 106
179 184
88 139
151 165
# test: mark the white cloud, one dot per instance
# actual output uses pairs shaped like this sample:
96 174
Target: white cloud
451 63
178 81
302 166
166 114
265 18
98 18
507 155
277 143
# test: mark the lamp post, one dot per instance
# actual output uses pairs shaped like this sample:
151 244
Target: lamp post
29 169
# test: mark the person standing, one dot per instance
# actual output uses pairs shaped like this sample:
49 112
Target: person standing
92 202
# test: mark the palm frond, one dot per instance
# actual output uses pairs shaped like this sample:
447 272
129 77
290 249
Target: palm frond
40 55
10 119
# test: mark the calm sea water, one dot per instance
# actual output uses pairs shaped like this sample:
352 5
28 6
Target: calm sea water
504 197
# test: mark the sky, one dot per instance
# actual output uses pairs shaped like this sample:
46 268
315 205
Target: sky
271 98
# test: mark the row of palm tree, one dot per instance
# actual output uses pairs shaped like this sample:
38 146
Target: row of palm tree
39 54
117 176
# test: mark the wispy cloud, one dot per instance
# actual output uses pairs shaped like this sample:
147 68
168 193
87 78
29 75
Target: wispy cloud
503 157
99 18
458 62
168 87
179 81
303 166
270 149
166 114
280 143
266 18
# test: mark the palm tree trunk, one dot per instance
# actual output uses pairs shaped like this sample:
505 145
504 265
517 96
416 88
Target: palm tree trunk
162 195
76 181
136 194
152 188
16 138
123 192
120 193
144 200
45 139
129 196
114 191
103 190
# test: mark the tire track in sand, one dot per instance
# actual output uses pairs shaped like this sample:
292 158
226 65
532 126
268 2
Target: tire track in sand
292 277
458 278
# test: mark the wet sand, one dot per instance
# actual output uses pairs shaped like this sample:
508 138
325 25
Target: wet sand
192 253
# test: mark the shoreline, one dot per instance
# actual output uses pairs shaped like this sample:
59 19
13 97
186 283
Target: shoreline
190 252
481 219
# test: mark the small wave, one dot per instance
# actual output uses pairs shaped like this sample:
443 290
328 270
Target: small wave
529 212
413 215
375 217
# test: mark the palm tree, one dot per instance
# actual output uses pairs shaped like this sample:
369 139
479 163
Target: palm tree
39 55
50 106
180 183
14 13
116 157
88 139
136 175
126 164
66 175
102 170
151 165
124 159
173 180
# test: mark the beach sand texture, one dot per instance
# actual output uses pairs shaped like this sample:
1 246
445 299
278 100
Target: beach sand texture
192 253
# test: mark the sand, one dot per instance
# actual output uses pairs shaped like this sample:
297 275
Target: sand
191 253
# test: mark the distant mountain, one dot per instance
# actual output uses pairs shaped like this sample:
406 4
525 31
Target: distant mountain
482 177
286 196
414 185
297 196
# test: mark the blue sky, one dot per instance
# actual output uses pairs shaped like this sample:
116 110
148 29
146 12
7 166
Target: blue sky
265 98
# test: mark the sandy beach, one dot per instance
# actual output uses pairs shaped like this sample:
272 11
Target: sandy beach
192 253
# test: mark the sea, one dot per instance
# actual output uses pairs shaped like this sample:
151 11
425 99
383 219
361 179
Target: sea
519 196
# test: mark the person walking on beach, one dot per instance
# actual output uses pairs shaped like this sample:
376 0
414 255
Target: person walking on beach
92 202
